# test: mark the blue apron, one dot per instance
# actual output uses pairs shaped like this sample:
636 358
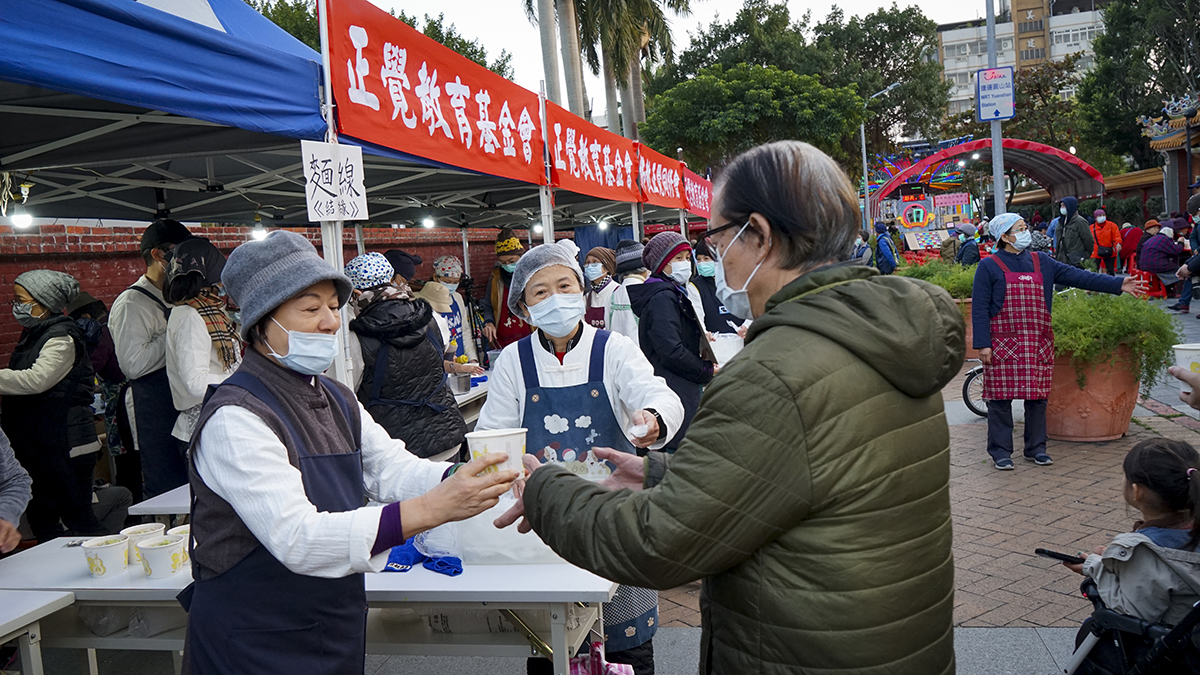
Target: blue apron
564 424
259 617
454 319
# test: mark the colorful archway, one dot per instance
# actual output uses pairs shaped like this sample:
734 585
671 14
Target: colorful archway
1060 173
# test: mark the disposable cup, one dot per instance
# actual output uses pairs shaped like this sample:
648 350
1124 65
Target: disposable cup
511 441
184 531
108 555
161 556
138 533
1187 357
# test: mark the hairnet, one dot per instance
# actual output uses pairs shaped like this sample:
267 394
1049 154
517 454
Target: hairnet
564 253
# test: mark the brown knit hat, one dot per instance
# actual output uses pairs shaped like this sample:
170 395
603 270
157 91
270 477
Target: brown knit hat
606 256
507 242
663 247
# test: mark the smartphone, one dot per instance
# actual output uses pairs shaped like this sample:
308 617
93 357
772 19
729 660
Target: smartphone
1055 555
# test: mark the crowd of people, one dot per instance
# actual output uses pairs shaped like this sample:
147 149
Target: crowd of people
763 474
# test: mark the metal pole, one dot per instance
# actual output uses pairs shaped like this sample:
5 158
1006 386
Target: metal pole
546 201
1187 147
359 240
466 253
331 230
682 212
866 225
636 222
997 139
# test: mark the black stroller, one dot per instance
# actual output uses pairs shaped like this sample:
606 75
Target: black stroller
1118 644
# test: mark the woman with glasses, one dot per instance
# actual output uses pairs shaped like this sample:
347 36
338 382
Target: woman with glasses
811 493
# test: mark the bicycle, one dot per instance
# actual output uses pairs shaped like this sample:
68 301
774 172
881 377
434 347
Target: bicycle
972 391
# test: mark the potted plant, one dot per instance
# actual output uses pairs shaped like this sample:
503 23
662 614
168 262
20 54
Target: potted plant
1105 347
957 280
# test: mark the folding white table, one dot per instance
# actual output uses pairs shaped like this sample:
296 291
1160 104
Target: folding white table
171 503
20 615
567 597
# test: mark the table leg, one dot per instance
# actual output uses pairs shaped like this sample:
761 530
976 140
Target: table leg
558 639
177 658
90 664
31 651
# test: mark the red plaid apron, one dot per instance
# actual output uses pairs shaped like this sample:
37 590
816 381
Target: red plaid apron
1022 340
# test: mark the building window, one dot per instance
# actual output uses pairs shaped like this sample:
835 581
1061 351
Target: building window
1033 54
1031 26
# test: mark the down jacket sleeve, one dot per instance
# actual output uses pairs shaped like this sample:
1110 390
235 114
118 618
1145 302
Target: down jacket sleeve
737 482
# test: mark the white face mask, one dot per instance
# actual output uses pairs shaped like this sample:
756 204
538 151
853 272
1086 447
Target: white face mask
736 302
1100 219
1024 239
308 353
558 314
449 287
1063 210
593 271
681 272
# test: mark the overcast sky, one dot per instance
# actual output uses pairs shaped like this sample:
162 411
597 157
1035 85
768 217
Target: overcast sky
501 24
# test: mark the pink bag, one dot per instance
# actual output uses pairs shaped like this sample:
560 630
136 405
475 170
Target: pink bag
594 664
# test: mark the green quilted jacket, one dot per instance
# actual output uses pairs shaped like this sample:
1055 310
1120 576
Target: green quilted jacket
811 493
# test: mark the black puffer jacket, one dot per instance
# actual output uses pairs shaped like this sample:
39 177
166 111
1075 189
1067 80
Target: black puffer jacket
672 339
413 401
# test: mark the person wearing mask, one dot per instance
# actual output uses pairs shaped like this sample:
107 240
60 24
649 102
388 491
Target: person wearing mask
46 406
1010 314
948 251
14 496
599 267
602 385
405 264
138 322
669 332
717 318
283 460
1131 236
968 251
862 248
630 271
203 347
449 305
499 326
1160 255
755 501
1191 268
1106 243
1150 229
1074 244
402 379
885 250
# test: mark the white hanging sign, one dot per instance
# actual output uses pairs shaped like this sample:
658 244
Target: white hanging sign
333 181
994 94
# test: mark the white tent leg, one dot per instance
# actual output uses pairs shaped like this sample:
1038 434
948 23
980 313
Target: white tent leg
331 248
547 215
358 238
637 222
466 253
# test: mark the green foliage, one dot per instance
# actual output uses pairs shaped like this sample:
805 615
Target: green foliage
1090 328
449 36
297 17
720 113
958 280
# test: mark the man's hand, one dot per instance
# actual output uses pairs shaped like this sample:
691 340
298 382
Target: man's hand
1183 272
9 536
985 355
1134 286
1186 376
630 473
517 512
741 332
489 332
647 419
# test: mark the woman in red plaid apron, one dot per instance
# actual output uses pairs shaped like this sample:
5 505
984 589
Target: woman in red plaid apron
1010 313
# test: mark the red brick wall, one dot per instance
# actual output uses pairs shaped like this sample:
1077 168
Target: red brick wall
106 260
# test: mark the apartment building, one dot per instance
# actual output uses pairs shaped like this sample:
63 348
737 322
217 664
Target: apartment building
1028 33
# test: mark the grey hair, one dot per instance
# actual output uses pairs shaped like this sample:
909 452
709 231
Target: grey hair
803 194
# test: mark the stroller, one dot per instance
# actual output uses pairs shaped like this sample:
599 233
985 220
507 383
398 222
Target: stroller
1111 643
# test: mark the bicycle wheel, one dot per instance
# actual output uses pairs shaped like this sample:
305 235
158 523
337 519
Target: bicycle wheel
972 391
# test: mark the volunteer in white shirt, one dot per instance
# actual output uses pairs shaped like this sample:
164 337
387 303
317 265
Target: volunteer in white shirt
283 460
203 347
583 395
598 268
630 271
138 323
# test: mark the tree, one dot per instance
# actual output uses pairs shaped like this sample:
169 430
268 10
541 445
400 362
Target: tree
721 112
299 18
1148 53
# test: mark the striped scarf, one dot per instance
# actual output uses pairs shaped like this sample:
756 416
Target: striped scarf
211 307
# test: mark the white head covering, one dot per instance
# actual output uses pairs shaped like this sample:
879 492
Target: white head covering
564 253
1002 223
1167 231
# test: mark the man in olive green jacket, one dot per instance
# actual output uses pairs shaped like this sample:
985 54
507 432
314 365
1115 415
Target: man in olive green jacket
811 493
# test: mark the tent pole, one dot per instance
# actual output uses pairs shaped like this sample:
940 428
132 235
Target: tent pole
359 240
546 200
331 230
466 253
636 222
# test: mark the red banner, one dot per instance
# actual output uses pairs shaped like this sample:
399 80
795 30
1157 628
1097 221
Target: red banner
698 192
661 178
590 160
396 88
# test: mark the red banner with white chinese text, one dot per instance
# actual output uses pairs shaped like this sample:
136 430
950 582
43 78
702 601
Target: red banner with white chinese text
661 178
698 192
589 160
396 88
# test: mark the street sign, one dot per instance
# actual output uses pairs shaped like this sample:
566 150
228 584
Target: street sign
994 100
333 177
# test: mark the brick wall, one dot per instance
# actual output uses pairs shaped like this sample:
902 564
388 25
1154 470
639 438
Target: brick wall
106 260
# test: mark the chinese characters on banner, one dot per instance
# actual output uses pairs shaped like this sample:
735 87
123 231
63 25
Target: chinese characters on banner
662 179
698 192
333 181
398 89
589 160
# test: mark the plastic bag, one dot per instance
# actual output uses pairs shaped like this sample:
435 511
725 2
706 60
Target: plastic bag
440 542
726 346
104 621
150 621
481 543
594 663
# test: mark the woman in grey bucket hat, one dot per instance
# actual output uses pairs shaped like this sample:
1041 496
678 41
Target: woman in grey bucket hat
282 461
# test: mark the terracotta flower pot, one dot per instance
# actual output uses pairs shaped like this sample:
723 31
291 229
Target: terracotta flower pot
965 307
1102 410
